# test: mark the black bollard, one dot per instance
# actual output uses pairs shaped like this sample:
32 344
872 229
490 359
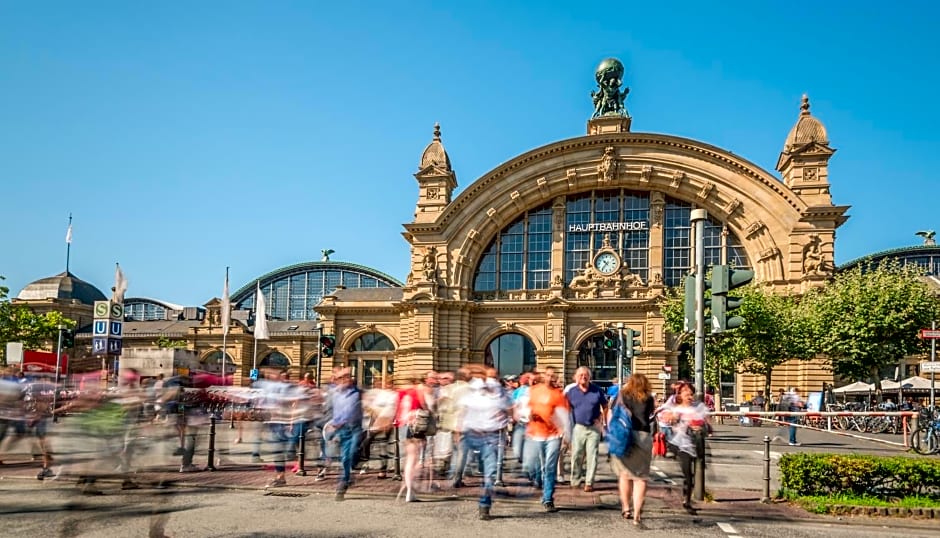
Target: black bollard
211 466
397 475
698 493
231 425
766 497
301 452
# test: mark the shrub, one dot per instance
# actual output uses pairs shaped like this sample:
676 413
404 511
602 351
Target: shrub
831 474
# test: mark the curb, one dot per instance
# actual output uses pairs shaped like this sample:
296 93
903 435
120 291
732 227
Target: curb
884 511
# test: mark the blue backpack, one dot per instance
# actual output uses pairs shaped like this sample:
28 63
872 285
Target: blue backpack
619 431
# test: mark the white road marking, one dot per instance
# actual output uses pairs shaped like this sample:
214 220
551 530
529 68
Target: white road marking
773 455
726 528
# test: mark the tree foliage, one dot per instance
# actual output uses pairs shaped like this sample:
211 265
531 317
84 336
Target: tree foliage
775 330
165 342
868 318
20 324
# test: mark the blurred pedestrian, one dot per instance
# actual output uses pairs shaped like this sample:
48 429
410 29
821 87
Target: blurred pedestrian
346 426
633 468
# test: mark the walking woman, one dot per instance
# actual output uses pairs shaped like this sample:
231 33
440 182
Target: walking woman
687 419
410 400
633 468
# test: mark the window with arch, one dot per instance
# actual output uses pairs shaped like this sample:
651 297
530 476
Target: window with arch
520 256
722 246
374 341
510 354
606 210
275 359
213 362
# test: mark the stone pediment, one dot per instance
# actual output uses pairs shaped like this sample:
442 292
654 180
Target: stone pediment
433 171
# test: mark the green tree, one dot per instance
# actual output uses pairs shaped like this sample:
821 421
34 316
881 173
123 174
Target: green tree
166 342
776 329
868 318
20 324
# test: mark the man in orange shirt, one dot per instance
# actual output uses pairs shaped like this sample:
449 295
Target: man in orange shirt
548 423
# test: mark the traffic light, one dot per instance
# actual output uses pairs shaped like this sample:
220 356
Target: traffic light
68 338
632 345
725 279
610 339
688 323
327 344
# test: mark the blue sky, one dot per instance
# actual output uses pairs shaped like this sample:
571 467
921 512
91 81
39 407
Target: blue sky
185 137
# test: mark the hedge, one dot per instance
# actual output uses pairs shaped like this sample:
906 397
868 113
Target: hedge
829 474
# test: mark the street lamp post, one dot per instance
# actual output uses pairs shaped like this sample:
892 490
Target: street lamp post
58 363
698 217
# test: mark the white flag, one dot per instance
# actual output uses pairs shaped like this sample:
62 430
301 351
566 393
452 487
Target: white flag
68 235
226 306
120 285
261 320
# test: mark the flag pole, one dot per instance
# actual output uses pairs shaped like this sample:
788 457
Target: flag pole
68 244
254 357
225 324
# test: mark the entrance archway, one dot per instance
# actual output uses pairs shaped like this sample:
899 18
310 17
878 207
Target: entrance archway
510 354
601 361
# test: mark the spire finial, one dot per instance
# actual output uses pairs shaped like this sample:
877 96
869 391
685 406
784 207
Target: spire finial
437 130
804 106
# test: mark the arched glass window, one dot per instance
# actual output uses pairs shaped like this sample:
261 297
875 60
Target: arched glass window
619 214
213 363
510 354
721 245
374 341
601 361
292 295
520 256
275 359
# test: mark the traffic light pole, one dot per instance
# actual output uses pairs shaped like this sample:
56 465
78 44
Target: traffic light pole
698 217
620 379
58 364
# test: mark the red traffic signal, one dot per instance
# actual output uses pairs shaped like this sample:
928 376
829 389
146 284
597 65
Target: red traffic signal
327 345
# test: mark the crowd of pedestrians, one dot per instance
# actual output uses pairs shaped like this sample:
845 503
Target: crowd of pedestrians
443 426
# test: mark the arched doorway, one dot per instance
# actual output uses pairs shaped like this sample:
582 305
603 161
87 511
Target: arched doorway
275 359
372 359
212 363
510 354
601 360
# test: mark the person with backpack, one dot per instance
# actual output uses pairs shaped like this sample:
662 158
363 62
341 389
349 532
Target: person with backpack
630 444
414 423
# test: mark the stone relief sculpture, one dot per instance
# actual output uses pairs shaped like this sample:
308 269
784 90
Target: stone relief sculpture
591 284
814 261
607 169
429 264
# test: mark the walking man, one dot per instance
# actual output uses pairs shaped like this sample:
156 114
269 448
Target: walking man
345 426
548 425
587 402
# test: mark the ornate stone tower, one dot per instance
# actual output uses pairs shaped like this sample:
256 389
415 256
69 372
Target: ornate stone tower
804 161
436 180
804 165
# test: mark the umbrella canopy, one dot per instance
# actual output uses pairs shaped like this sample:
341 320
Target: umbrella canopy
857 387
915 383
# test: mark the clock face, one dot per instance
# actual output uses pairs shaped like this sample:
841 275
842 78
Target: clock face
607 263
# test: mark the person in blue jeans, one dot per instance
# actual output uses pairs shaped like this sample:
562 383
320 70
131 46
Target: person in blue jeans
345 426
484 414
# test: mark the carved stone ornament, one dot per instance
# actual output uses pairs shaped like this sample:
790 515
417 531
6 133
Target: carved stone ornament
434 193
677 178
754 228
572 176
646 173
809 174
429 264
607 169
769 253
707 189
591 284
814 260
657 205
732 206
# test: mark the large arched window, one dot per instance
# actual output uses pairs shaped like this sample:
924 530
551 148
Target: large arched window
722 246
291 293
275 359
619 214
520 256
510 354
374 341
213 363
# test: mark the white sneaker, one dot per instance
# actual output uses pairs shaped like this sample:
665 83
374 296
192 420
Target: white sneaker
796 444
